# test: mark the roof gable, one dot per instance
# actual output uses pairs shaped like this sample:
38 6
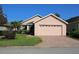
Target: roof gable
31 18
53 16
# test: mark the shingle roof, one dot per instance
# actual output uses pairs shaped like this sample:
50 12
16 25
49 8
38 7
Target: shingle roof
31 18
73 19
55 17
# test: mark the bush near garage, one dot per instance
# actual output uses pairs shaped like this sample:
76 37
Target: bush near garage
74 34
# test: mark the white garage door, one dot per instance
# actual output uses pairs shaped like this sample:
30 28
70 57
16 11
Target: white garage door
49 30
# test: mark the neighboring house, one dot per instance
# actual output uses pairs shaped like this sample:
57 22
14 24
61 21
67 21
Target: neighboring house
50 25
3 28
73 24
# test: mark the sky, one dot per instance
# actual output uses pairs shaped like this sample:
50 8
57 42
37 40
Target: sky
17 12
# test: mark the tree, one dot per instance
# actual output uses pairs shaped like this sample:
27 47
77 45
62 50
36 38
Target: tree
58 15
3 18
16 25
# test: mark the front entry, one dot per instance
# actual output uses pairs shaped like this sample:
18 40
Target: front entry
31 30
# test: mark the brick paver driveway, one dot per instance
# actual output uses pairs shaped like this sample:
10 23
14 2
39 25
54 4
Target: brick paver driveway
54 41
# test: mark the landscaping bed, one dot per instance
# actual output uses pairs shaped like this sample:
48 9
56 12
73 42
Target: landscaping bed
21 40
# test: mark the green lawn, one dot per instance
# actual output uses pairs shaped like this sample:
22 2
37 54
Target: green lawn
21 40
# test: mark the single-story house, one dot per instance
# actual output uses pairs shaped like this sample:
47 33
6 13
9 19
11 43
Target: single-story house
73 24
50 25
3 28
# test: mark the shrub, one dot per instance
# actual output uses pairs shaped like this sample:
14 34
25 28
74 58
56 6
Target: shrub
1 33
74 34
24 31
9 35
19 31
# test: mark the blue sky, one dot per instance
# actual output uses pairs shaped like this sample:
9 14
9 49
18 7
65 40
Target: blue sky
17 12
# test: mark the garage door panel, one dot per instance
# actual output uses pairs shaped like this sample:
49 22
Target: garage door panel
51 30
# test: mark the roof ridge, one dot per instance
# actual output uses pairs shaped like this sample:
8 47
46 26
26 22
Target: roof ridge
54 16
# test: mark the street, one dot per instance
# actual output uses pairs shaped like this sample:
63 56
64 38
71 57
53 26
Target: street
30 50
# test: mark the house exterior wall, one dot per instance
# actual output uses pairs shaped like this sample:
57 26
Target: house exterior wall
3 28
39 31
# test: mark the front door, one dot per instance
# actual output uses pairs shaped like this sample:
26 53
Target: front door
32 29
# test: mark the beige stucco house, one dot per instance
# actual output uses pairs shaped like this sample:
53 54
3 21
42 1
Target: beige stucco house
50 25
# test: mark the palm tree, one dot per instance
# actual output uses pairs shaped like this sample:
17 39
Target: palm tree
16 25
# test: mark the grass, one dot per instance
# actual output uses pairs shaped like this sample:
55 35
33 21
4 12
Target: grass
21 40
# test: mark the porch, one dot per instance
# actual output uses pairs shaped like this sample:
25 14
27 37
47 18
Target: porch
29 28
